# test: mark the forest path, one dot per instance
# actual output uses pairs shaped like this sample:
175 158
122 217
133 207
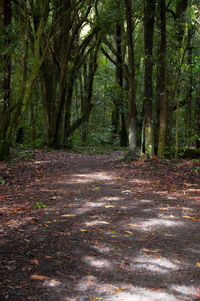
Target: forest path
85 228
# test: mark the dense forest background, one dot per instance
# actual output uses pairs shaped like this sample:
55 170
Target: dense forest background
114 73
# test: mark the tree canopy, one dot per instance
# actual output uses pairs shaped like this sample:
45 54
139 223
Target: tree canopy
100 72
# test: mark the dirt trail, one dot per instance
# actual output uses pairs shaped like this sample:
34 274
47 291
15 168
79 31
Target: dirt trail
85 228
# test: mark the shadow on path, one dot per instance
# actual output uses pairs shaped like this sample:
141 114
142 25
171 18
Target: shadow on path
109 231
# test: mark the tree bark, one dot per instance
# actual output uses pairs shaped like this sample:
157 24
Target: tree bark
120 80
189 118
6 18
162 84
131 66
67 54
198 102
149 11
89 92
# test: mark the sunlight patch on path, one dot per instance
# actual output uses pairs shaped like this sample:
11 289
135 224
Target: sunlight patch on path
98 263
87 178
142 294
153 223
96 287
102 248
111 198
154 264
140 181
145 201
157 222
52 283
89 206
191 291
86 283
96 223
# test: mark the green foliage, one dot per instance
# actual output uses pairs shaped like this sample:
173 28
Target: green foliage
109 14
40 205
196 169
183 152
23 152
2 181
99 132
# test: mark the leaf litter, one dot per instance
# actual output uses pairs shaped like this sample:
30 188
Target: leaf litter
58 254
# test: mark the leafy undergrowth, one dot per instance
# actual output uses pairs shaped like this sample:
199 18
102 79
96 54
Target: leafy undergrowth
82 227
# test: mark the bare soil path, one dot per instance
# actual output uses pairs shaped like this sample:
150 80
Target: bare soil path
87 228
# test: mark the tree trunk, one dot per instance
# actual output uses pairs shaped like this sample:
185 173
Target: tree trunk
120 110
89 92
20 105
197 115
198 120
149 12
169 118
181 6
188 117
131 65
119 80
6 17
162 84
83 91
49 89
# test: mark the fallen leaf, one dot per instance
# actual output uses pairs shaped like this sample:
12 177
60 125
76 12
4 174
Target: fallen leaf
97 243
192 218
68 215
149 251
109 206
39 277
129 232
198 264
145 250
35 261
83 230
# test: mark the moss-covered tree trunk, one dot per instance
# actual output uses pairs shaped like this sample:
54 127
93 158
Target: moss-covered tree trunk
162 84
83 93
131 67
149 14
89 92
67 54
18 107
198 120
181 6
198 102
5 21
120 79
189 117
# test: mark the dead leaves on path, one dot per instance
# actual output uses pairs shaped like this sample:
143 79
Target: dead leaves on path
192 218
39 277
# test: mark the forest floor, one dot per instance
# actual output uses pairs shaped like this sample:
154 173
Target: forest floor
87 228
